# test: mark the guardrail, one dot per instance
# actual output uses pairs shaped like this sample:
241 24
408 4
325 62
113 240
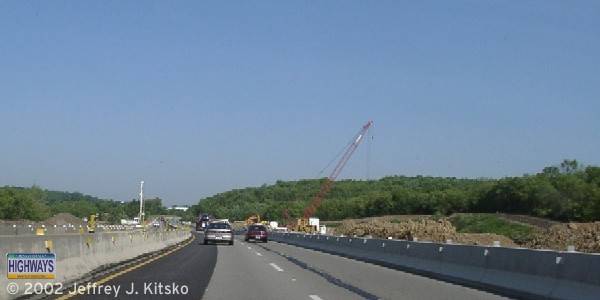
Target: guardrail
514 272
78 254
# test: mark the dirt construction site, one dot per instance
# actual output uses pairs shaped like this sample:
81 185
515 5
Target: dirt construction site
585 237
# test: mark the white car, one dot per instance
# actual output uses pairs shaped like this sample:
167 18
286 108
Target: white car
221 221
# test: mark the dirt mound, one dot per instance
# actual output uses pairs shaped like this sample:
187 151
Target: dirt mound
584 236
483 239
424 229
17 222
386 218
63 219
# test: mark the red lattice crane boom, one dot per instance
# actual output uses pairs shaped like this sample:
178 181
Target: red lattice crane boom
310 210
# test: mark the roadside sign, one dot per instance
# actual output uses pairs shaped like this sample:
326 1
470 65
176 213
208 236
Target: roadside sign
31 265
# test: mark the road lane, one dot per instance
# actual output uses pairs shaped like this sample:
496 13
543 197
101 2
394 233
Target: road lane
383 282
276 271
242 274
191 266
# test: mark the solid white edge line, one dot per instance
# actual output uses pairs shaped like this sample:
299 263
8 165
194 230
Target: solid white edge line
276 267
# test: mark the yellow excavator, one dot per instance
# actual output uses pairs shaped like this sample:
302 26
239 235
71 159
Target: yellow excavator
253 219
91 224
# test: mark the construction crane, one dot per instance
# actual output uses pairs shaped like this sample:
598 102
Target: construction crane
303 224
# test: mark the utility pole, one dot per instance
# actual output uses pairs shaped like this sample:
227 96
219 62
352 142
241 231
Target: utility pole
141 217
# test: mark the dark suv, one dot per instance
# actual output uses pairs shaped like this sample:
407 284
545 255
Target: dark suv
202 222
257 233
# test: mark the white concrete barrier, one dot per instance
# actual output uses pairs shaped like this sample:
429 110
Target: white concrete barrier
77 255
515 272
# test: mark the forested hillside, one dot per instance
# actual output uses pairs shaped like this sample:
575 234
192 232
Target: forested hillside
564 192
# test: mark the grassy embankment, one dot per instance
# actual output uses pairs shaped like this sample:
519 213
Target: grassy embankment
489 223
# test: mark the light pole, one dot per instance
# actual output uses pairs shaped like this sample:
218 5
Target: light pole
141 217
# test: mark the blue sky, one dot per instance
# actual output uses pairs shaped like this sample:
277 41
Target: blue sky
197 98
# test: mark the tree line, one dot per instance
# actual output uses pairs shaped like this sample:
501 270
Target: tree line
565 192
37 204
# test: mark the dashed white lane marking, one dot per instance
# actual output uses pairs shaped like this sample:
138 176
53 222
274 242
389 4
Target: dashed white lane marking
243 243
276 267
315 297
258 253
249 247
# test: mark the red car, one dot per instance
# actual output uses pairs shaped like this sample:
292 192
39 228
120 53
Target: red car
257 233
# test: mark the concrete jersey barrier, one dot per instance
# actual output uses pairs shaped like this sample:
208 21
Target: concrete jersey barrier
77 255
515 272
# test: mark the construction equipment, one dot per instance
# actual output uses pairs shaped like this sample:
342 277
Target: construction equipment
91 224
308 225
305 224
253 219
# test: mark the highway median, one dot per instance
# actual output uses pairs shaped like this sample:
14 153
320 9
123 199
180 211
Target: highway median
86 257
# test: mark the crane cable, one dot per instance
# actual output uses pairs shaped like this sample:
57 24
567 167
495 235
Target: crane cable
368 162
335 158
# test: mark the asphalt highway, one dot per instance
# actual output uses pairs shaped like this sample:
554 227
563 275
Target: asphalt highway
249 270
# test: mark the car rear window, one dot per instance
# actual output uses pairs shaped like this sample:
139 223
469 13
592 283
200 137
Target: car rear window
258 228
219 226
